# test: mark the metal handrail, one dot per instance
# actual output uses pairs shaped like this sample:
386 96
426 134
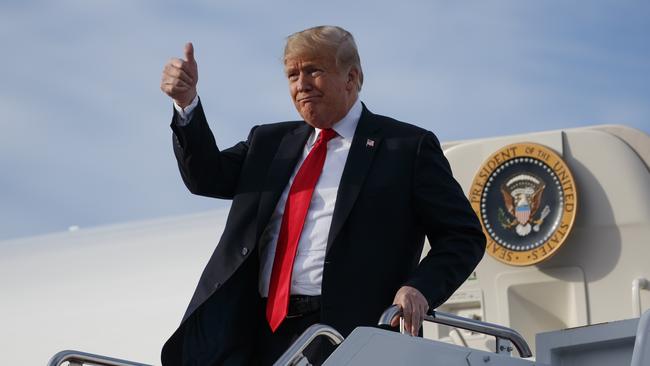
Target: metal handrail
500 332
638 284
80 358
641 351
294 355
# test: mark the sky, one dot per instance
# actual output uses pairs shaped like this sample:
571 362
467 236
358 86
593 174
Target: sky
85 137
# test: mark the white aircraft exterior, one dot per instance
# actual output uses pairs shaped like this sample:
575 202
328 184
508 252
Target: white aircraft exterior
120 290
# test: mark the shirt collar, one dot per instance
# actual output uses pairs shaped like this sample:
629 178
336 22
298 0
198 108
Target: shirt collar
346 127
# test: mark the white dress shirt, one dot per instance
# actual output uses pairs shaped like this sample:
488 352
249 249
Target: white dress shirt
307 273
185 114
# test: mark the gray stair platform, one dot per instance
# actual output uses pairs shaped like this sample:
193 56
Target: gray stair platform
378 347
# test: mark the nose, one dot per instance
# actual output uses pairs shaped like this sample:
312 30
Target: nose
303 84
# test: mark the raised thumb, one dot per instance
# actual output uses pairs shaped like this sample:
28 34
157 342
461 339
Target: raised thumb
189 52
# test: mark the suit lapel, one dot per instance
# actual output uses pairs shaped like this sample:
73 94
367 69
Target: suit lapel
365 143
283 164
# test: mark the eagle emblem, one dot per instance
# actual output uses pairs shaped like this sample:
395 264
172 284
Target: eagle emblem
525 196
522 195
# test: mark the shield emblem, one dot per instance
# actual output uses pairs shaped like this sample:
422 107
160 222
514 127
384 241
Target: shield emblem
523 213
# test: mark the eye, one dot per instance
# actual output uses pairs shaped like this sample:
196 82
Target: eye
292 76
316 73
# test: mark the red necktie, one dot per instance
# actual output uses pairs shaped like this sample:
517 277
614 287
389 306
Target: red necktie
293 220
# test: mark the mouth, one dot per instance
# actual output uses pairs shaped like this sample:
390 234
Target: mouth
309 99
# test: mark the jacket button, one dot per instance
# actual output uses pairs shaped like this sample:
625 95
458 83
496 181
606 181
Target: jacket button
244 251
217 285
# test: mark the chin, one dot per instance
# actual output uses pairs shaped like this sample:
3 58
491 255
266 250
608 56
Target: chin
315 119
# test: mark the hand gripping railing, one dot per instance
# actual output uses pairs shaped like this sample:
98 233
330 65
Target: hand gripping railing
293 356
76 358
503 334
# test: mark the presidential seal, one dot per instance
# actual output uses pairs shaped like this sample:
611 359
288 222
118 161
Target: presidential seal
525 197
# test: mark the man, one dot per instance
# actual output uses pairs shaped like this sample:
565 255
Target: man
328 215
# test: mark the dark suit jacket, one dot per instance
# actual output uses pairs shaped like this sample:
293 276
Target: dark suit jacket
390 196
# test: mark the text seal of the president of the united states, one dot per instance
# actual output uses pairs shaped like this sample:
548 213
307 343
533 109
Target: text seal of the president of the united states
525 197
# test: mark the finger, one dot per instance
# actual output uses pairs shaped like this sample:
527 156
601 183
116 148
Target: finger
173 73
167 89
177 82
180 74
408 317
172 80
175 62
395 321
189 68
181 83
417 320
189 52
173 90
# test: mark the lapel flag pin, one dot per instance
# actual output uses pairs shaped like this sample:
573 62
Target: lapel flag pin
370 143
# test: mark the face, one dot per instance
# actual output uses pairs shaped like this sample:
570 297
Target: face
321 93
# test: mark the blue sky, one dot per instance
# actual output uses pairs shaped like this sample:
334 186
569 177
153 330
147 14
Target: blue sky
85 137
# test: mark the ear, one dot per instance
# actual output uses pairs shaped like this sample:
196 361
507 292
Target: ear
353 79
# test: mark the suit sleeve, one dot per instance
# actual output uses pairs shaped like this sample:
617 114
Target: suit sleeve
206 170
450 224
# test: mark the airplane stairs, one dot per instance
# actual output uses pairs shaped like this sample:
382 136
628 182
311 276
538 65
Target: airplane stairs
610 344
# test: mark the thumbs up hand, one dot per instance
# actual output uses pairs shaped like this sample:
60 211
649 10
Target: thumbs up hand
180 76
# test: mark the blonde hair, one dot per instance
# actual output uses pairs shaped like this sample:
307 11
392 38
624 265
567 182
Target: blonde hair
326 39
